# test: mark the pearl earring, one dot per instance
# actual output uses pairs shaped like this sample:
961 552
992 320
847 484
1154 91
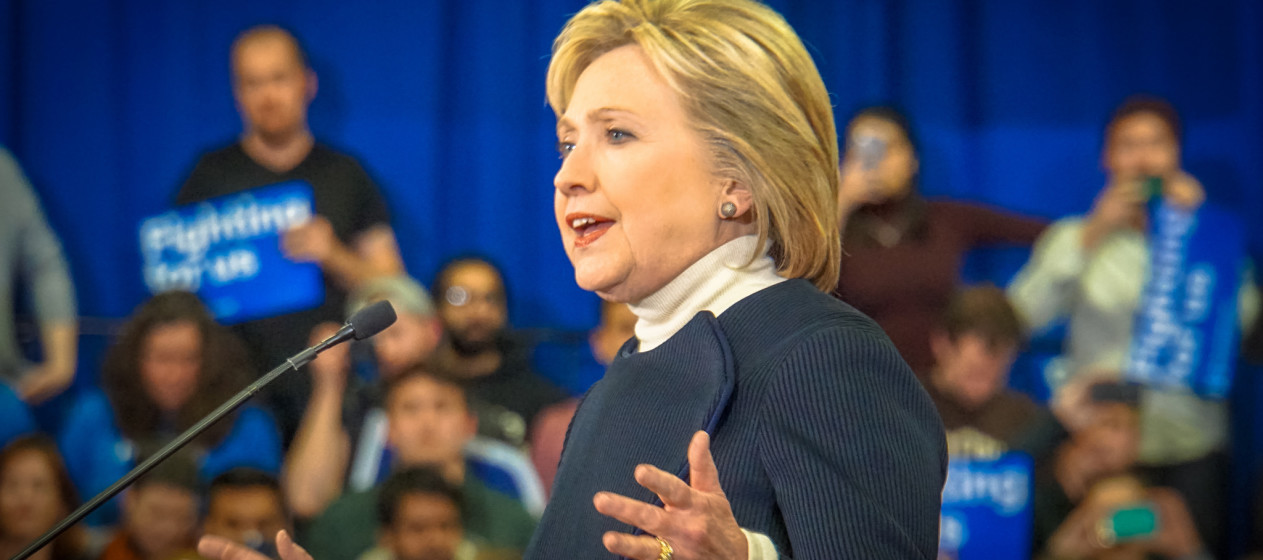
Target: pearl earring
728 210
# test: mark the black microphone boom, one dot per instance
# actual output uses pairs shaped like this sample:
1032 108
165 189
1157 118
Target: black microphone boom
367 322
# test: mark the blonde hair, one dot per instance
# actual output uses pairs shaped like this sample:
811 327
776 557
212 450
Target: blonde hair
753 93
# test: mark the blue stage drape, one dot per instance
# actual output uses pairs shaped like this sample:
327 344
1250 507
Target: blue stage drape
108 104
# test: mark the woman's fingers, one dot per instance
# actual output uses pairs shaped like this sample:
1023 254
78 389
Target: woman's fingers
703 475
640 547
219 548
673 491
636 513
289 549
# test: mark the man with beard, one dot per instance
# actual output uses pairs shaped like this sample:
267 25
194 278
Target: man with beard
350 236
494 365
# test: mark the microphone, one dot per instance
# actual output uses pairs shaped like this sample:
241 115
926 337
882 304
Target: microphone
365 323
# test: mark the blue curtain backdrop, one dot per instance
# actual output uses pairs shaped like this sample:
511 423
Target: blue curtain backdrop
108 104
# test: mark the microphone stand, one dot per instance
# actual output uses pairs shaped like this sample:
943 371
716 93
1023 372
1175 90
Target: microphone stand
298 360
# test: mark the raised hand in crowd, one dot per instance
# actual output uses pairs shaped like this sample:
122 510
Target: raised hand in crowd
313 241
330 368
1120 205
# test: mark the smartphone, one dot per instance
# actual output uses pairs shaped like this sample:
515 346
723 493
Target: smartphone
1129 523
870 151
1152 188
1114 392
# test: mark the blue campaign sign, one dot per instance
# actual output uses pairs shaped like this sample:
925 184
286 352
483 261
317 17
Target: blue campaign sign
987 508
1186 332
227 250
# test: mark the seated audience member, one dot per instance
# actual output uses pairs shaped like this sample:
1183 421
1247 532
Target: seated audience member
904 253
160 514
1093 269
35 494
171 366
1100 527
246 506
974 348
494 365
548 437
1105 444
428 424
420 516
31 253
344 422
15 416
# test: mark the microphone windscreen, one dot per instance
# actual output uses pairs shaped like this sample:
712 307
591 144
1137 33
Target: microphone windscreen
372 319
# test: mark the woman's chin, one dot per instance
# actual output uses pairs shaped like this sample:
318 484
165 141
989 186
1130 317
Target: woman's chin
596 283
610 289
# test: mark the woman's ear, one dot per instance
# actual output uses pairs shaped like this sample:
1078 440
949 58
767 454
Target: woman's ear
739 195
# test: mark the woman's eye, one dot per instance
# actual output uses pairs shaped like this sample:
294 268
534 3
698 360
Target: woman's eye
618 136
564 149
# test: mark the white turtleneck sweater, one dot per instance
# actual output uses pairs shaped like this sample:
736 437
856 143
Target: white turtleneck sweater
714 283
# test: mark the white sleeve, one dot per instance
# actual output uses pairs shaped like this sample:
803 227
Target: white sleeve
1045 289
760 547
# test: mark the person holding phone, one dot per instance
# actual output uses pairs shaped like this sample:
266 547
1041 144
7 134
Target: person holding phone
903 252
1093 270
1121 519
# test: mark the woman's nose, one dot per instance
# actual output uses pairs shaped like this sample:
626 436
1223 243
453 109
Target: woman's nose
576 174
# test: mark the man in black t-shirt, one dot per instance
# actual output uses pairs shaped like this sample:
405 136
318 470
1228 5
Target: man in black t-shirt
350 236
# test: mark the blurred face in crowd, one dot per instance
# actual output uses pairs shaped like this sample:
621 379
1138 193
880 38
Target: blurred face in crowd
890 173
30 499
618 324
636 199
472 307
426 527
250 515
971 368
429 422
1112 439
272 86
1141 145
409 341
171 362
161 519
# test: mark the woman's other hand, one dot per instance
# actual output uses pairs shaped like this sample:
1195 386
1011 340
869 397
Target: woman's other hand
219 548
696 520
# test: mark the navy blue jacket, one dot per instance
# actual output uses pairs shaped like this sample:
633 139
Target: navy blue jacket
823 438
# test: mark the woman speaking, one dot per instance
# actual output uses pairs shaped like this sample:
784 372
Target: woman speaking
753 415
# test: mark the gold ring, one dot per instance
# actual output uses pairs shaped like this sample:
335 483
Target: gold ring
664 549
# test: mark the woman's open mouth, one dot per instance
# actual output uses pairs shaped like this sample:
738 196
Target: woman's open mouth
588 228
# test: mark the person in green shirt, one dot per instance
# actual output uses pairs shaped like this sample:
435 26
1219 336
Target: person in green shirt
428 421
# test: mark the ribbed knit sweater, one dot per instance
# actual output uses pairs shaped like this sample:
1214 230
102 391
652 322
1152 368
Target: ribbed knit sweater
823 439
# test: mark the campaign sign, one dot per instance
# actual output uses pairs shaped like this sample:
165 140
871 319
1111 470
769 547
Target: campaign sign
1186 332
228 251
987 508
